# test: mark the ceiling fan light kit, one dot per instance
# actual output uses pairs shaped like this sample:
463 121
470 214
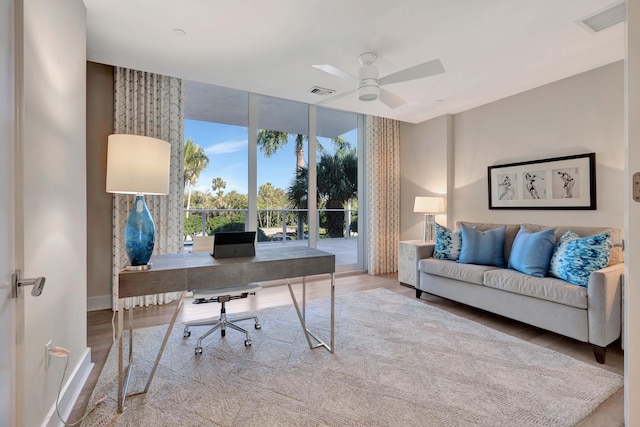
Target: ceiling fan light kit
368 92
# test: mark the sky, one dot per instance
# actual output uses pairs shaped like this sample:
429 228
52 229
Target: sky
227 149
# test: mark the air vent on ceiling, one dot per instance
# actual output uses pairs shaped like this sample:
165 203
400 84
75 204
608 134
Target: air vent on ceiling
605 18
320 91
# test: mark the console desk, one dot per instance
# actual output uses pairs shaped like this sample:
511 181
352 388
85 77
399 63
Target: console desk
188 271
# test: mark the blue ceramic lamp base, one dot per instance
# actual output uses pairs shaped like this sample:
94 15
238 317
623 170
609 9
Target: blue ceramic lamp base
139 236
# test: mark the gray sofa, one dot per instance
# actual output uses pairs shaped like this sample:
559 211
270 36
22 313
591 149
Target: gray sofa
591 314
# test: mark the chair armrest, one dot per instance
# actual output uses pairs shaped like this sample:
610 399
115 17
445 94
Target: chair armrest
604 305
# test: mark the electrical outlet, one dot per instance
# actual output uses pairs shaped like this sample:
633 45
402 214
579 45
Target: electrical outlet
47 354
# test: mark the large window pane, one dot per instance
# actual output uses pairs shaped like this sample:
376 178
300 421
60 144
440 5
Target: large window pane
216 123
283 129
337 183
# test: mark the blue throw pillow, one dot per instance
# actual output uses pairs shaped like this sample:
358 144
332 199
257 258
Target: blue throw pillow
448 243
531 252
575 257
482 247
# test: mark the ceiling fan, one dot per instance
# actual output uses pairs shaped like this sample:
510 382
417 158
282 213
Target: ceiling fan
369 82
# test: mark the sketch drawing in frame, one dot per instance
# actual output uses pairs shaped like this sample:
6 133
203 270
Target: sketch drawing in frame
556 183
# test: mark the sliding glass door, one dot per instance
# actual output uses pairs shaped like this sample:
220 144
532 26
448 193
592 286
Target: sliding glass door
338 187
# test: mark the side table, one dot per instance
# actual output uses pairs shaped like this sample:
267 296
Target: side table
409 253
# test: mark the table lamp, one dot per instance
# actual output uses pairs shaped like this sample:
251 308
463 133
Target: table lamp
430 206
138 165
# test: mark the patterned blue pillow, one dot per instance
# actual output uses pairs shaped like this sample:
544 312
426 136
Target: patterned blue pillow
531 252
482 247
448 243
575 257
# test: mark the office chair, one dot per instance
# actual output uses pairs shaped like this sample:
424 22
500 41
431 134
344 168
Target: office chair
221 295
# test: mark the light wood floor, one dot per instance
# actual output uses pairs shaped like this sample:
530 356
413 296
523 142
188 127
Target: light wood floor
100 334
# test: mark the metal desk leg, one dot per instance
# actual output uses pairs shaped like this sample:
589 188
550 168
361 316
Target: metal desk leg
122 385
302 315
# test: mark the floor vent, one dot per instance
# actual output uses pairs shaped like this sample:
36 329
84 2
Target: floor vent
605 18
320 91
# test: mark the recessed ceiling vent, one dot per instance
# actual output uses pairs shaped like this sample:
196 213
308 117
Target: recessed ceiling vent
605 18
320 91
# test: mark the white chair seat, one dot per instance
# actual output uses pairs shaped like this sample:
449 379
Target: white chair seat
221 295
228 290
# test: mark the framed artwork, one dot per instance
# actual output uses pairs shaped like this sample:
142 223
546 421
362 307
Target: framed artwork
557 183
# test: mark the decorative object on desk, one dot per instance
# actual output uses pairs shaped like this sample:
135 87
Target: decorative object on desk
430 206
452 373
556 183
138 165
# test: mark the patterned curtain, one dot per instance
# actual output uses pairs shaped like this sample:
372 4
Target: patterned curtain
150 105
383 194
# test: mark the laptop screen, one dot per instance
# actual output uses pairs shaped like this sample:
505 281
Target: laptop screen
231 244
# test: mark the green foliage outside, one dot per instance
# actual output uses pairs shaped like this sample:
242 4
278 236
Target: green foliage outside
336 183
239 226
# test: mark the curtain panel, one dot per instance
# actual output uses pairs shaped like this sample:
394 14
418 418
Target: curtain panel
150 105
383 194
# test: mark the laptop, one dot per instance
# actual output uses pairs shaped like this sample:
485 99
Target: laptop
234 244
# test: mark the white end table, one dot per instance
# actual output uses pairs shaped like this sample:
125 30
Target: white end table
409 253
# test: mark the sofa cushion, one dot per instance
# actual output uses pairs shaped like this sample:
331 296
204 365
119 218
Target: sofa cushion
509 234
469 273
531 251
448 243
616 256
546 288
482 247
575 258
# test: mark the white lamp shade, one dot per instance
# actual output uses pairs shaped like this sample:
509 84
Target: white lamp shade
432 205
137 165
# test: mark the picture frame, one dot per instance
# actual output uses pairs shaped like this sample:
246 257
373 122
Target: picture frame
556 183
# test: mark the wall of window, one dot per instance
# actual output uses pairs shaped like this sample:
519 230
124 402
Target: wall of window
249 165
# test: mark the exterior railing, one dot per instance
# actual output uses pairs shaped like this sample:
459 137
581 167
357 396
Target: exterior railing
273 224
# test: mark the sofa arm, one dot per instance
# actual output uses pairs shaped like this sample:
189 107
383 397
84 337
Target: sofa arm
604 299
424 250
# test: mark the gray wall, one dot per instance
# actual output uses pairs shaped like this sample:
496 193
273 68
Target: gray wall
580 114
53 218
99 202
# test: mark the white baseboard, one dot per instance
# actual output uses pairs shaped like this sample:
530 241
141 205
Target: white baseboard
100 302
70 392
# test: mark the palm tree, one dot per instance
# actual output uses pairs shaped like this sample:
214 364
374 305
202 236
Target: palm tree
195 161
270 141
218 185
337 185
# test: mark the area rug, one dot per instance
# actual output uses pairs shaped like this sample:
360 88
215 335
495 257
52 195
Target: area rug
398 362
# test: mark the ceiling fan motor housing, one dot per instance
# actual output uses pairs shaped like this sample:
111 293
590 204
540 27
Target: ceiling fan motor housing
368 89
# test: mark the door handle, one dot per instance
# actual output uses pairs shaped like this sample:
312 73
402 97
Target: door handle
37 283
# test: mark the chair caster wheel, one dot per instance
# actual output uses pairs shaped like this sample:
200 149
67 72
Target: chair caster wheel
223 332
247 343
198 351
186 334
258 326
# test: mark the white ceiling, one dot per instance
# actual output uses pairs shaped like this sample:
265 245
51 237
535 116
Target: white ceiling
490 49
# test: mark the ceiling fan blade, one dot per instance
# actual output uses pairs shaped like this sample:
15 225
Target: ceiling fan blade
335 97
335 71
419 71
391 100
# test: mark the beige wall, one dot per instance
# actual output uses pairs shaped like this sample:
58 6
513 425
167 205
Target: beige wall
581 114
99 202
425 155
